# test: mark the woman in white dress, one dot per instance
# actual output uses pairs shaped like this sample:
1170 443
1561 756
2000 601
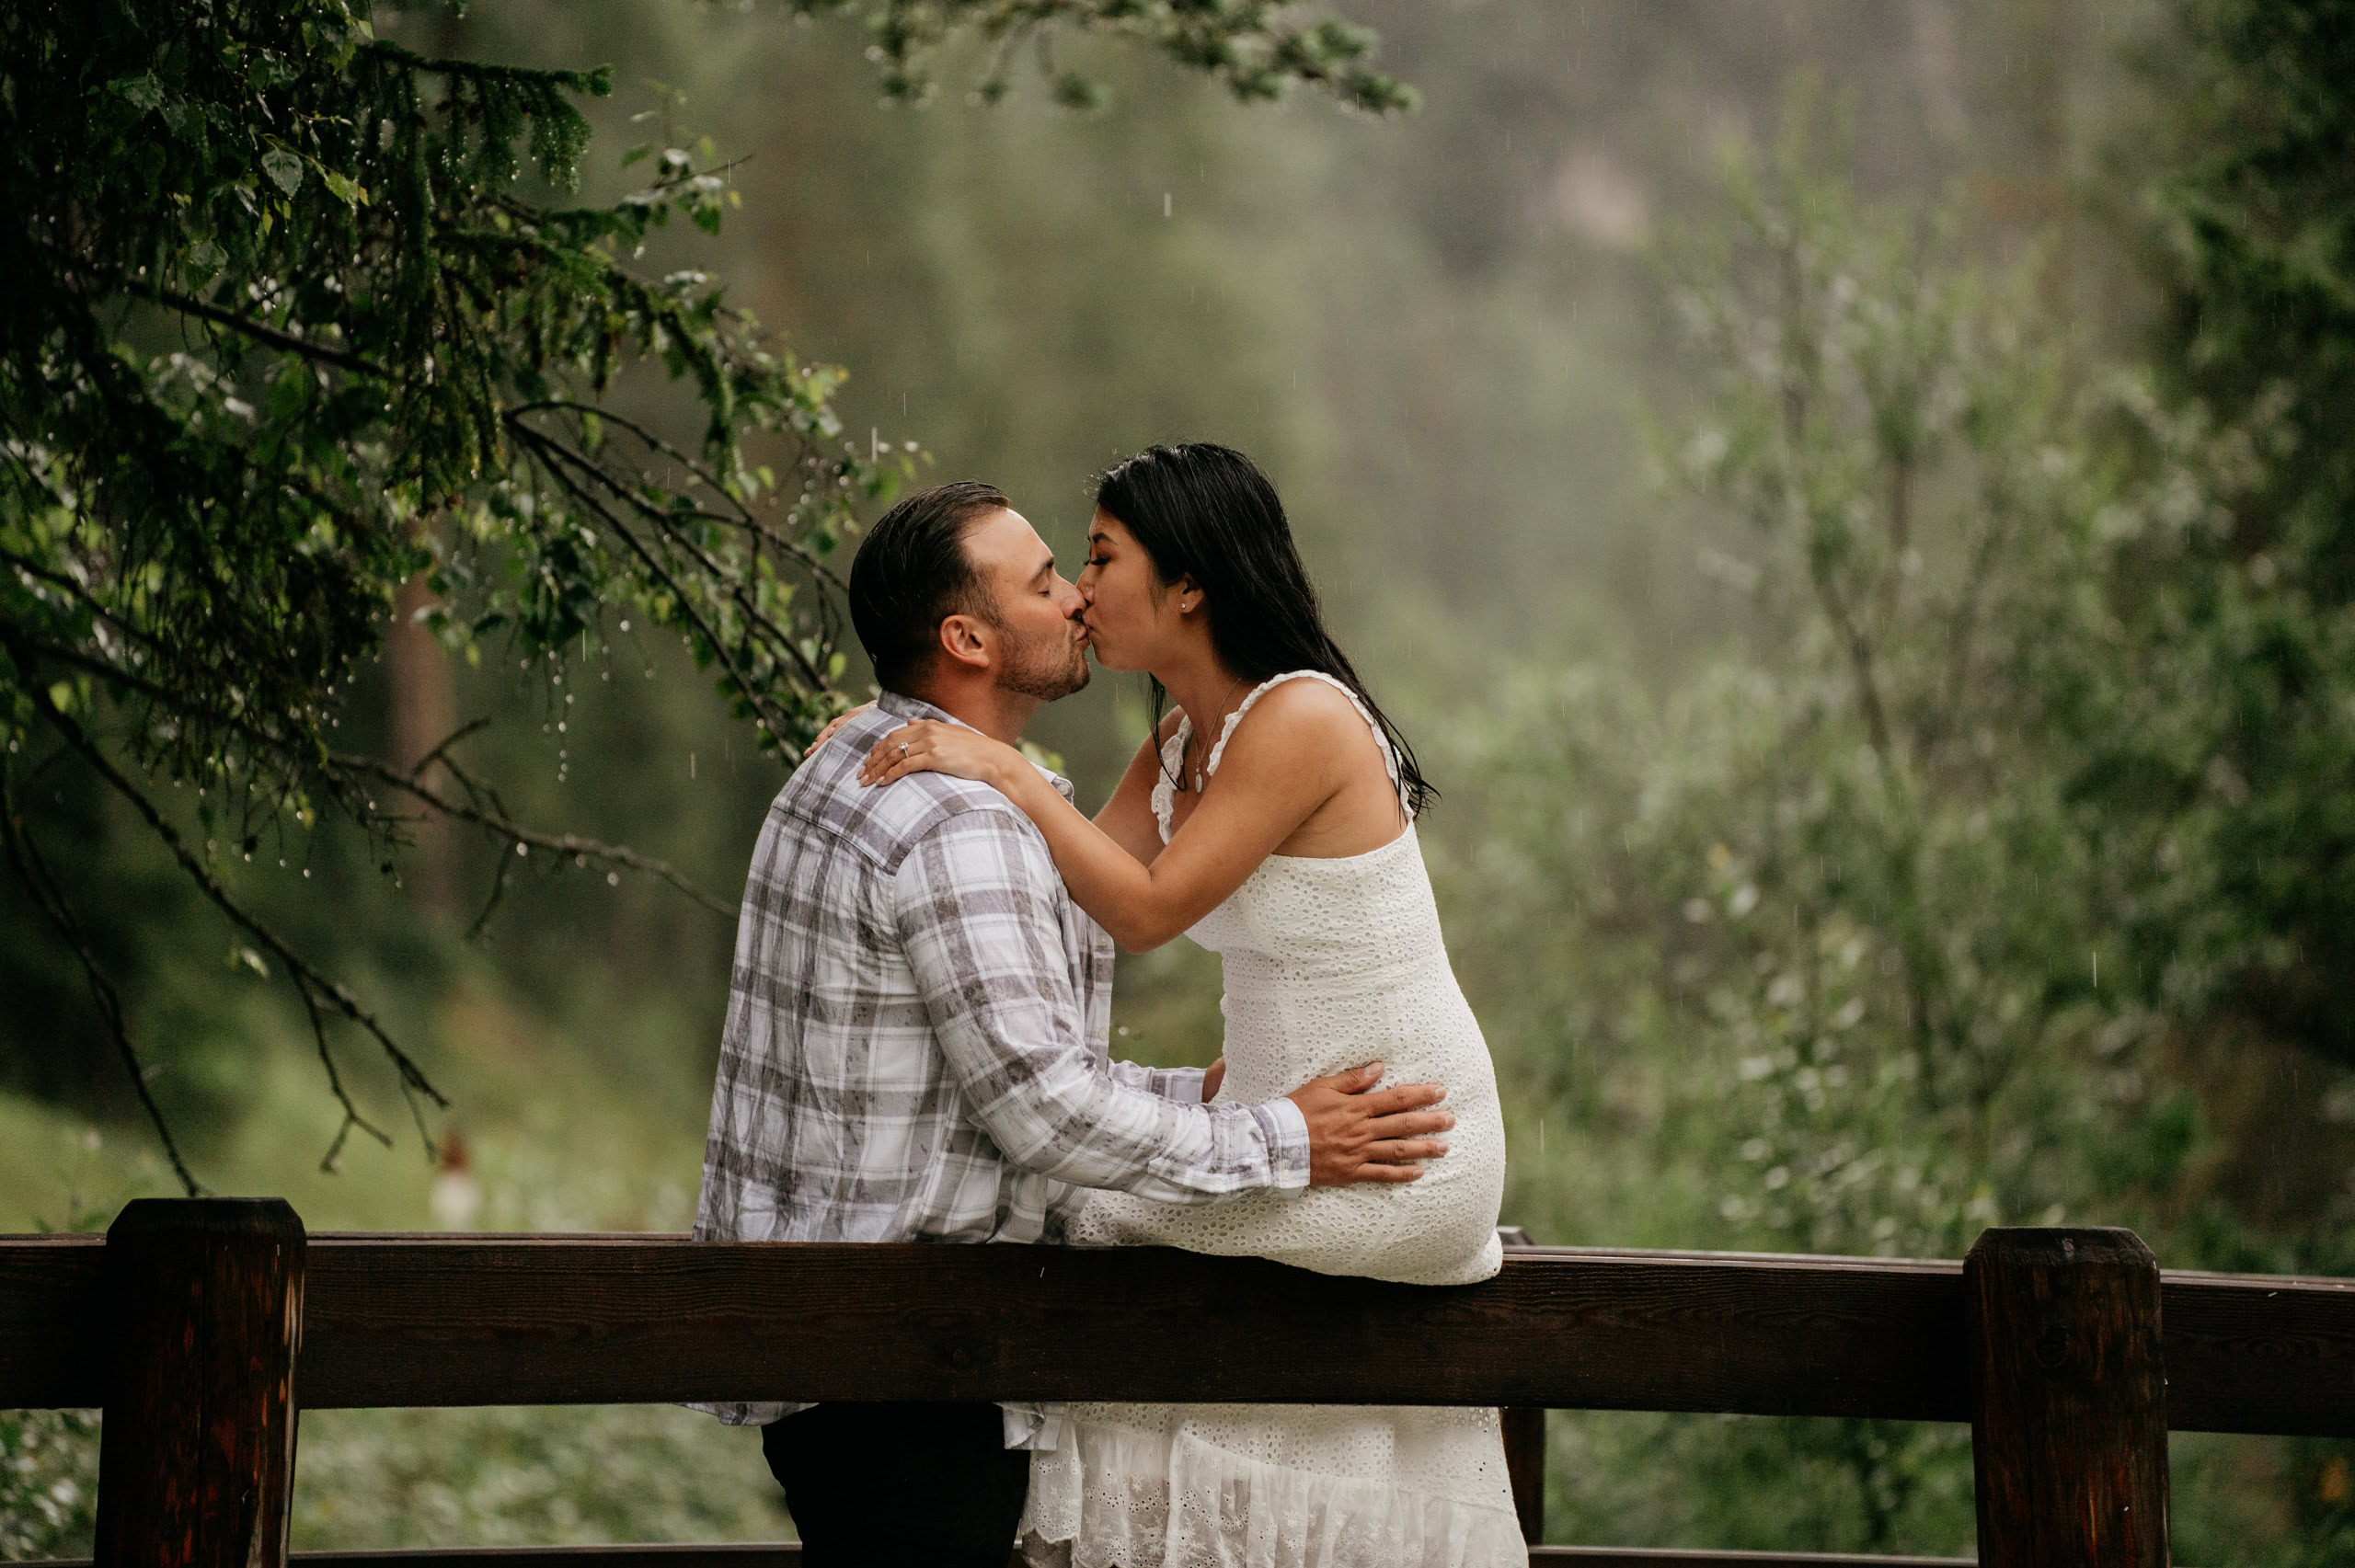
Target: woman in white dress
1271 818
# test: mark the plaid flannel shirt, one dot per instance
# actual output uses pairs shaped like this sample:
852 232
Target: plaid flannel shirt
915 1047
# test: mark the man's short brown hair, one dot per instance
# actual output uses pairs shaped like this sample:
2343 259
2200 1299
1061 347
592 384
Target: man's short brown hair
911 573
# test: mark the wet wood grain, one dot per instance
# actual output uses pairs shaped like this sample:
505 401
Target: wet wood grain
610 1320
203 1302
2068 1424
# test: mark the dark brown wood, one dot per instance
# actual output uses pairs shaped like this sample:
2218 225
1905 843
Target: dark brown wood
1524 1435
2068 1387
472 1322
766 1555
2244 1352
52 1349
2260 1352
1525 1465
204 1309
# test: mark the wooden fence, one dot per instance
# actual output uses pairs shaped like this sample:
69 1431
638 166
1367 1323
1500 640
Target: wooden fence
201 1325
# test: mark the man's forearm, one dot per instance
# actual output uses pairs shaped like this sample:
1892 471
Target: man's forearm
1076 1121
1183 1085
980 918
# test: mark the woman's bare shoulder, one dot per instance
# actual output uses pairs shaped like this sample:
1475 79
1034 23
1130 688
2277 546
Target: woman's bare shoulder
1301 712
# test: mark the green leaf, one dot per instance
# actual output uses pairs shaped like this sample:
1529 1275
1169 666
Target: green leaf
143 90
284 168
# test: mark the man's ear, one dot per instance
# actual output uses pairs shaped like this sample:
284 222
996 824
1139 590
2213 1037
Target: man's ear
968 641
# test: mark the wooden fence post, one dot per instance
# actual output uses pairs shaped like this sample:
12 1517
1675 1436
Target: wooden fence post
1526 1468
196 1459
2068 1398
1525 1434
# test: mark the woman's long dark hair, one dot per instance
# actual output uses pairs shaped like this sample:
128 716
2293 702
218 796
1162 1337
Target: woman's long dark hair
1205 511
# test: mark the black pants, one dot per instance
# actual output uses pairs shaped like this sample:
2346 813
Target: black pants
927 1485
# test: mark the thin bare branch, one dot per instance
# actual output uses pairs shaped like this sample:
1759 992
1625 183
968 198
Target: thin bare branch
781 636
498 894
744 685
314 985
41 882
746 518
271 336
440 754
496 821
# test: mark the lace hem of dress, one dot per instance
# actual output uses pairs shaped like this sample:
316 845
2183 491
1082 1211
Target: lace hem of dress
1116 1498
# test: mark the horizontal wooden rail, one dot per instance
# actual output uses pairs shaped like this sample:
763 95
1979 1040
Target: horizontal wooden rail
762 1555
478 1320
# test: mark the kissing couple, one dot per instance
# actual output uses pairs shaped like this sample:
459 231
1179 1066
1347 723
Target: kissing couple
916 1043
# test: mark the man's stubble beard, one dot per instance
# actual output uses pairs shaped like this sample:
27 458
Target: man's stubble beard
1048 673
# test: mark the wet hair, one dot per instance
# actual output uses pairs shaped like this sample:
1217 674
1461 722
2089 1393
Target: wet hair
1205 511
911 573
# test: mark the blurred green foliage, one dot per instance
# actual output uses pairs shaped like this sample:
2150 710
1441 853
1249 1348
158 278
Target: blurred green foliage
293 333
2245 624
387 362
49 1482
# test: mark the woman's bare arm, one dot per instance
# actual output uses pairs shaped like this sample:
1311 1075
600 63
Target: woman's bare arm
1297 749
1127 818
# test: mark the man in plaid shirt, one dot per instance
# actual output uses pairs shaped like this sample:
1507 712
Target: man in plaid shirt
916 1049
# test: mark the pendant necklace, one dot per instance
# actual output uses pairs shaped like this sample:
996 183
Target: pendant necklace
1202 777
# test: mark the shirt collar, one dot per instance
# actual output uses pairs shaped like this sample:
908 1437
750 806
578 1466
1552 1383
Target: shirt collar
900 706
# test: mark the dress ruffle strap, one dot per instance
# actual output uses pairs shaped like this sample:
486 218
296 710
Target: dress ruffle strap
1172 750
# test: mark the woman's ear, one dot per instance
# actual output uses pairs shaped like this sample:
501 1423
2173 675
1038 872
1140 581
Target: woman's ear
1189 596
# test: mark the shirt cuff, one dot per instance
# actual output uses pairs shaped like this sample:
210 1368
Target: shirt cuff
1287 1145
1183 1085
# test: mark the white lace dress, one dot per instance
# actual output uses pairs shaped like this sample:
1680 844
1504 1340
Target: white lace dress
1328 964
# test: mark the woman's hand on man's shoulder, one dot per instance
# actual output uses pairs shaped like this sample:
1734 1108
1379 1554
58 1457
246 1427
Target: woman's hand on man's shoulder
835 725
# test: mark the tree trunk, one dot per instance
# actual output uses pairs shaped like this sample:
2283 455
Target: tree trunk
425 712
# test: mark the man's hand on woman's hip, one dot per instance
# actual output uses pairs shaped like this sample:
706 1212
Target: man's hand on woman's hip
1359 1133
